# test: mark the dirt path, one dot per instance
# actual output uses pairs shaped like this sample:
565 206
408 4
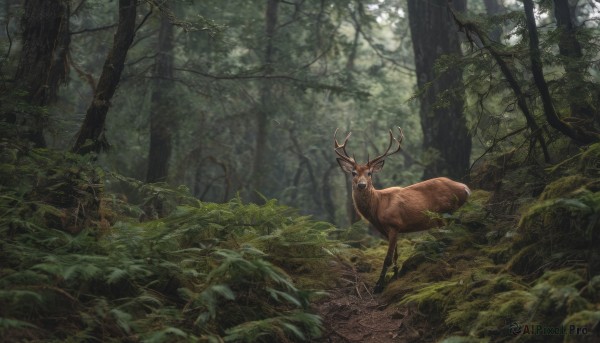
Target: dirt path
351 313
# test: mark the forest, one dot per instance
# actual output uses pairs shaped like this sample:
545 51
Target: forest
170 170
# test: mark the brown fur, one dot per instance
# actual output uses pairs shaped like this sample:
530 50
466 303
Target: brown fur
399 210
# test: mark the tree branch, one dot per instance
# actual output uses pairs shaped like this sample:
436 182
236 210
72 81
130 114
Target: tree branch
468 28
550 112
306 83
95 29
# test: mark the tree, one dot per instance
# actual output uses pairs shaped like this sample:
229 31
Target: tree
575 69
493 7
92 128
496 50
43 63
265 106
580 135
161 105
446 137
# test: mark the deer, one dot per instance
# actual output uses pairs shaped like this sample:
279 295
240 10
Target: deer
395 210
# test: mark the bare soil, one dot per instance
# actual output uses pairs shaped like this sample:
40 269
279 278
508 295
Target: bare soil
352 313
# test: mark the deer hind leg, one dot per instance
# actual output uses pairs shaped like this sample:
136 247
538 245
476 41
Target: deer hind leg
395 265
389 258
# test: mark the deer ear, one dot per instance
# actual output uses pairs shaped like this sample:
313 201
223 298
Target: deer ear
377 166
345 165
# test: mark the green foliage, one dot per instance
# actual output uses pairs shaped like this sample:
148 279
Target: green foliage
563 225
477 278
203 272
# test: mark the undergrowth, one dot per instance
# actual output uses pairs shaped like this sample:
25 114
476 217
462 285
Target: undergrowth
529 273
80 262
77 264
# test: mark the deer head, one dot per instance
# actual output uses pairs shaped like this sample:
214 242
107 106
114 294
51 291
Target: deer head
362 173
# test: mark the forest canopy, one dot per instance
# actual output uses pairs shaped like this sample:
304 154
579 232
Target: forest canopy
168 167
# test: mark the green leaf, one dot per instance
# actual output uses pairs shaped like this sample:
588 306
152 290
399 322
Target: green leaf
116 275
224 291
286 296
8 323
123 319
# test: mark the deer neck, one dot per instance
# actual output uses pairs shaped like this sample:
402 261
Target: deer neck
366 202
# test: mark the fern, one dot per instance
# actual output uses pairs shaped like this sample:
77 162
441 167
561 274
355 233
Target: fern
189 271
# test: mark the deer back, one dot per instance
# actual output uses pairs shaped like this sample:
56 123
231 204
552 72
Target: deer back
410 208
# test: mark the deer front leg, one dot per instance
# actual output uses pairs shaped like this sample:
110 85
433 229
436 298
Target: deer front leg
392 240
395 266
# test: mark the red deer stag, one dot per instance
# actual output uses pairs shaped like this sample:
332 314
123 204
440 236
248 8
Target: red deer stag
397 210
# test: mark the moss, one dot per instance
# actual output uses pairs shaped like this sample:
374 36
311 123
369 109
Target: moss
564 186
498 284
527 260
586 319
465 313
589 161
504 308
562 277
432 299
499 252
558 231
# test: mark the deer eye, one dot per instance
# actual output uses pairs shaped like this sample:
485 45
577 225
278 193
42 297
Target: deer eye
354 173
369 174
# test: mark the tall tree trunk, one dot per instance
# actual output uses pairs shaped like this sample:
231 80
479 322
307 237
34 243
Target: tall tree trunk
161 122
354 46
445 134
326 191
259 168
571 52
43 61
352 214
91 135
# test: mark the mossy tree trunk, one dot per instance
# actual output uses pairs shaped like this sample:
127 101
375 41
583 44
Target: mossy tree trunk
571 56
91 135
43 63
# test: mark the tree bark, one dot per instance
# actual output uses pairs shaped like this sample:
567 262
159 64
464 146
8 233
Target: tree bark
351 212
326 191
445 133
305 163
571 52
91 135
259 168
43 63
161 120
354 46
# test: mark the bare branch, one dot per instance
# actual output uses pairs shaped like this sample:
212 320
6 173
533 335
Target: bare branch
95 29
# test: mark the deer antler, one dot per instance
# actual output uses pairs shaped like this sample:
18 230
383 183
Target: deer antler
385 154
337 146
